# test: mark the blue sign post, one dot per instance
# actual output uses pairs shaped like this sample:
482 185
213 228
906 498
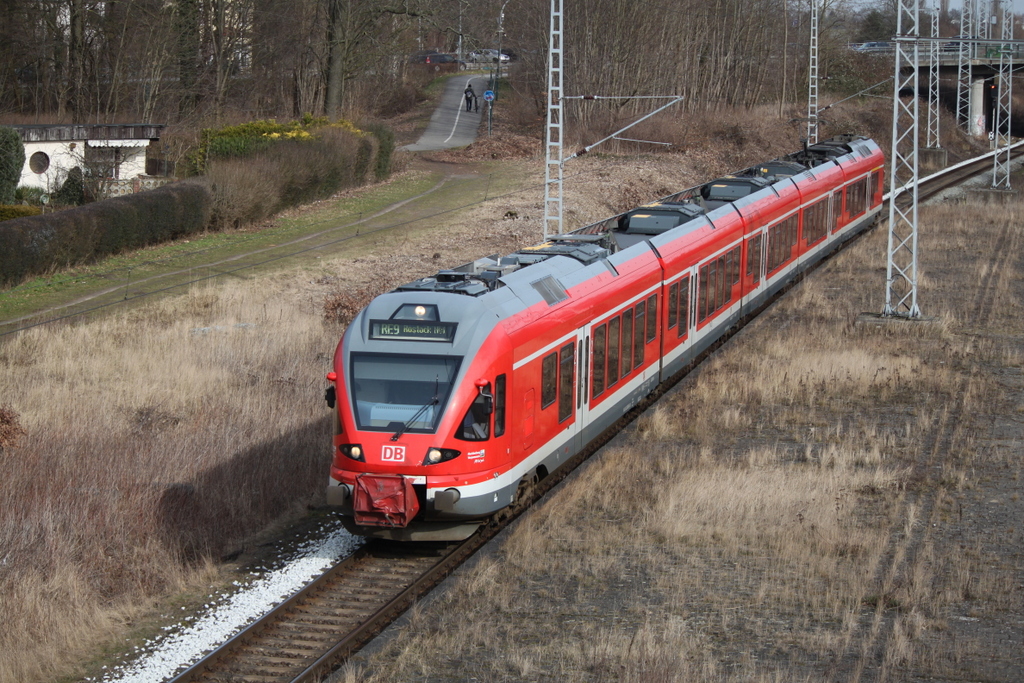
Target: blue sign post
489 99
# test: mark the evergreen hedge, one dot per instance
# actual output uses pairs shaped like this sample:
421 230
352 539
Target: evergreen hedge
385 149
38 244
12 161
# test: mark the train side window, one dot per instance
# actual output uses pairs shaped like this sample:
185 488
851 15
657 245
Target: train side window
684 306
702 295
597 387
673 305
723 281
548 380
754 258
639 332
735 266
879 185
627 342
713 289
837 209
499 405
566 381
613 351
476 423
652 317
856 197
815 222
781 240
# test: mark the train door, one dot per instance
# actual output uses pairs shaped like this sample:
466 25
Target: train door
580 386
677 329
529 418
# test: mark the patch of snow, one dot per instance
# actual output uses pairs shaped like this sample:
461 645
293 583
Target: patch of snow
186 643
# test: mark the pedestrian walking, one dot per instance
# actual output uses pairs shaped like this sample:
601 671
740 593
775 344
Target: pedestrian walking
470 97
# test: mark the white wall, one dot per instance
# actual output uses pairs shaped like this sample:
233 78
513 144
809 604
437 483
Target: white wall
62 159
67 154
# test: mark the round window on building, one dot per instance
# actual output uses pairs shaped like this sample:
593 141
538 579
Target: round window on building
39 162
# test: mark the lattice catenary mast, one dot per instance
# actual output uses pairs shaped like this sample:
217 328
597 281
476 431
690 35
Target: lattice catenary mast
968 30
812 80
553 144
901 266
1004 94
932 133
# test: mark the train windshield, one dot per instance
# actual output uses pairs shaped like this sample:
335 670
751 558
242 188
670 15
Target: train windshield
400 392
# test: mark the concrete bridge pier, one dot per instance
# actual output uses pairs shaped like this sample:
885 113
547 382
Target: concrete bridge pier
976 126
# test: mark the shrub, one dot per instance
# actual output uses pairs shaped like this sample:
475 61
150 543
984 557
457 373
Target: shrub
37 244
9 211
10 427
398 99
72 191
249 139
12 161
31 195
292 172
363 156
385 149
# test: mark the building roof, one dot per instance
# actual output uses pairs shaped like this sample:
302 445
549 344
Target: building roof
93 131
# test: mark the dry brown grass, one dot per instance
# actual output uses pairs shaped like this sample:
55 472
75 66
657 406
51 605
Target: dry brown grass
156 439
794 511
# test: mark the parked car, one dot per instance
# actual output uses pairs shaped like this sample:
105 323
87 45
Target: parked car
487 55
424 57
445 62
874 46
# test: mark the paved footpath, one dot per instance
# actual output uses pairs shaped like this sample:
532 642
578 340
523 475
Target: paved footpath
451 125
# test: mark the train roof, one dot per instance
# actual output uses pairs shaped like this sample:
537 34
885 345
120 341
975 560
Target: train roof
597 242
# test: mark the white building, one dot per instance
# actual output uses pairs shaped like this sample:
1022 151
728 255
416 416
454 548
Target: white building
102 151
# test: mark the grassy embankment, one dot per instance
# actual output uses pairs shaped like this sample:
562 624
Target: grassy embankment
184 260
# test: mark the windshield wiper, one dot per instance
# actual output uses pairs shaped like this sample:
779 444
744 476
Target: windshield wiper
405 425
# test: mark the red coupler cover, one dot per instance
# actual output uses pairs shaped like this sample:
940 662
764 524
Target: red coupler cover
384 500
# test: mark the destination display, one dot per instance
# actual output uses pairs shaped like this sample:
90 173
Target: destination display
412 330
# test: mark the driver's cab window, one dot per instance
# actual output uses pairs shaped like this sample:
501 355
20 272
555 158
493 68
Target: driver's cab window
476 423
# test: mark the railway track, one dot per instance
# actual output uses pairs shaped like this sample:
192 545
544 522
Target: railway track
314 631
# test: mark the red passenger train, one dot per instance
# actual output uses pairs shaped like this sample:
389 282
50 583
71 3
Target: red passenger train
454 390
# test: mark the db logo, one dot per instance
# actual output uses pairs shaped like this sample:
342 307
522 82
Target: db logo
392 453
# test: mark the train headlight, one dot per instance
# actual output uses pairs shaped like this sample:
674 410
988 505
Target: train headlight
353 451
436 455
